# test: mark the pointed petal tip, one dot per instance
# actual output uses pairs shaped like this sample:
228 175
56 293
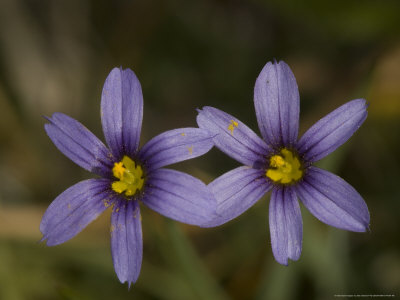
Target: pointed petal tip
361 102
362 227
208 108
333 201
129 282
274 63
57 114
285 225
47 118
127 241
73 210
49 241
51 244
122 111
120 71
366 222
333 130
114 70
78 143
233 137
201 110
54 116
282 260
277 104
297 257
174 146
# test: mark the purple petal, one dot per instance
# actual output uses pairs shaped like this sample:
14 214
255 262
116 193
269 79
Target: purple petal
179 196
122 112
80 145
285 225
126 240
74 209
236 191
333 201
233 137
175 146
277 104
333 130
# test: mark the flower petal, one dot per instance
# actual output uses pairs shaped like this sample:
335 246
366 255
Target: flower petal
126 240
277 104
122 112
74 209
333 130
179 196
175 146
233 137
236 191
333 201
80 145
285 225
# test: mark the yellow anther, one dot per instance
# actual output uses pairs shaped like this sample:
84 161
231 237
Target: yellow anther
130 177
284 167
119 186
118 170
277 161
232 126
190 149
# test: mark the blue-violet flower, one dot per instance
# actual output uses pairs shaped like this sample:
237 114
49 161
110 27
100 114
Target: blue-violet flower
128 175
284 164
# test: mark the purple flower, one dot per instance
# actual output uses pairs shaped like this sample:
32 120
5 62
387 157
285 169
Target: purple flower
283 163
129 175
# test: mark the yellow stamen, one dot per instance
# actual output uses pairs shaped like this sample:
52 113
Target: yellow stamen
118 170
130 177
284 167
232 126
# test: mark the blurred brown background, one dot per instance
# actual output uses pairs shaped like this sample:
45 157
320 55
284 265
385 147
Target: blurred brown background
55 56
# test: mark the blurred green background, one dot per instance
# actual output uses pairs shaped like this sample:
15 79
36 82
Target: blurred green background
55 56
